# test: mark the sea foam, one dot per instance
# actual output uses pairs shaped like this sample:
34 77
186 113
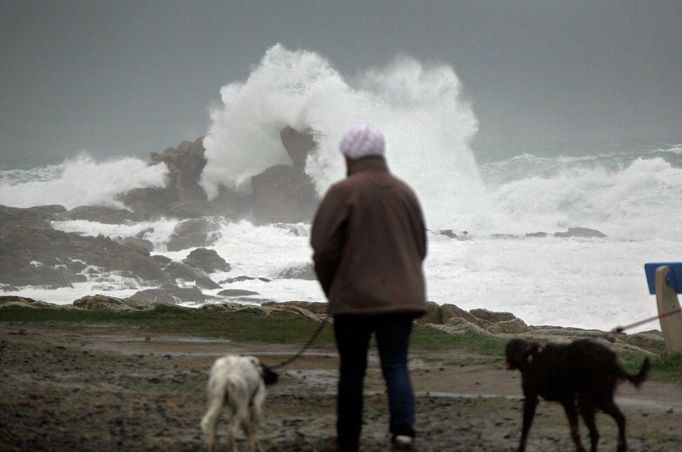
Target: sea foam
419 108
79 181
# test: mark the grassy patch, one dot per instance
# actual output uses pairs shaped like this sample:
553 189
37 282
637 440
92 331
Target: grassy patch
280 327
285 327
666 368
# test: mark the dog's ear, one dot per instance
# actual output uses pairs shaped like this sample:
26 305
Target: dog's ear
270 377
520 353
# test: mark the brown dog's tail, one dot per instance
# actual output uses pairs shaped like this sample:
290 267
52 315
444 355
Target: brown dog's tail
639 378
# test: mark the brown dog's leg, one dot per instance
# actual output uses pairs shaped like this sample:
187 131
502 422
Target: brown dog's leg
587 410
610 408
529 404
572 415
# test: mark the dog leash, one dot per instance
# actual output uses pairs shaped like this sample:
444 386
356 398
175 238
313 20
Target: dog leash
620 329
303 349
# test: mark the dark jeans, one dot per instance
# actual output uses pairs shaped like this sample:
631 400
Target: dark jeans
352 333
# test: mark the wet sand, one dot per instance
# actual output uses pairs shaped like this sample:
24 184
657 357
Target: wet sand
86 387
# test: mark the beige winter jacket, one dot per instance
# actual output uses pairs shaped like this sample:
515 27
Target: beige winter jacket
369 243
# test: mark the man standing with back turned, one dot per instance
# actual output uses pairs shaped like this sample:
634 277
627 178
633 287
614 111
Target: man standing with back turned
369 243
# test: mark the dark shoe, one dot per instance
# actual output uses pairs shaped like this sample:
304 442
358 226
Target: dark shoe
400 443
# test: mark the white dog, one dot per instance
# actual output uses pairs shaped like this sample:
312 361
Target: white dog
236 383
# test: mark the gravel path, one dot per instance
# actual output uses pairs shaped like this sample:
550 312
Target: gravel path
66 387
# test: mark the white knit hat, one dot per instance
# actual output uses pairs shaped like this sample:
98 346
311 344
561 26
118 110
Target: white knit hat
362 140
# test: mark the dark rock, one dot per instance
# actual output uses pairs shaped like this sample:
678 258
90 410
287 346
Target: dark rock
537 234
463 235
104 302
513 326
492 316
298 145
35 254
163 260
190 234
169 295
236 292
182 196
243 278
580 232
314 307
141 245
305 271
451 311
101 214
178 270
207 260
433 314
7 301
283 193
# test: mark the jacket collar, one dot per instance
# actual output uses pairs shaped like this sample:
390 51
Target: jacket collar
369 163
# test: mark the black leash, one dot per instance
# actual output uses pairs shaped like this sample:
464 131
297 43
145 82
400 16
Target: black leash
303 349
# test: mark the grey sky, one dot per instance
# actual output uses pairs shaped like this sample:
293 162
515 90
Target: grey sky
130 77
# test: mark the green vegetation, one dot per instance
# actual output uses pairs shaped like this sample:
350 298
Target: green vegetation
666 367
244 325
286 327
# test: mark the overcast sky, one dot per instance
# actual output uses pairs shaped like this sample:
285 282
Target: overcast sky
130 77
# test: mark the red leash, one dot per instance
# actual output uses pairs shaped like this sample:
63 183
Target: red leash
620 329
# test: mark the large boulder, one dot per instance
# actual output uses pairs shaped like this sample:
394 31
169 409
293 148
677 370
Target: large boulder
314 307
103 302
35 254
207 260
182 196
433 314
451 311
298 144
191 234
283 193
237 293
580 232
8 301
303 271
100 214
513 326
492 316
178 270
168 294
461 327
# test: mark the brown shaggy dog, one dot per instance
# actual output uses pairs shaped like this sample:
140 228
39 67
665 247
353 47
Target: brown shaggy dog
582 371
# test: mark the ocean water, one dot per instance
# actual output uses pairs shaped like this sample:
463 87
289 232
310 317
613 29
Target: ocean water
633 194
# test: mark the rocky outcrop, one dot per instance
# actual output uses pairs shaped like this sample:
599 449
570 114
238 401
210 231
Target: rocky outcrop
142 245
187 273
580 232
101 214
304 271
284 193
103 302
281 193
169 294
35 254
191 234
9 301
207 260
237 293
182 196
